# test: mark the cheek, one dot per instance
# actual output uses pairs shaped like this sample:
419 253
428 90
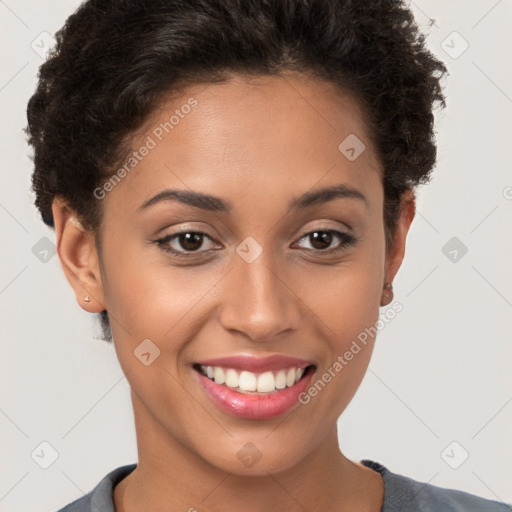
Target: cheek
147 296
347 302
348 309
347 297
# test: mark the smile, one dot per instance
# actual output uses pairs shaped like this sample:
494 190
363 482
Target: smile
253 383
252 394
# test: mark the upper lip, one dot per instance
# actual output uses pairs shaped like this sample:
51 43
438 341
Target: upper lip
257 364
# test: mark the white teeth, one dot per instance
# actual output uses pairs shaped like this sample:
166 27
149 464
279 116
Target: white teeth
266 382
290 377
231 378
249 382
280 379
218 375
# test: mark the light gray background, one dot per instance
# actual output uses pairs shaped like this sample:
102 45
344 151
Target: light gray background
440 371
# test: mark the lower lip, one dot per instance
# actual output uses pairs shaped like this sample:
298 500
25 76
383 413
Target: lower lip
255 407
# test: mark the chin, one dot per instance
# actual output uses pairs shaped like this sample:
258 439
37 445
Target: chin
257 458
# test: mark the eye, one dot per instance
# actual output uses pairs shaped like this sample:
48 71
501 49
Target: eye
184 243
321 240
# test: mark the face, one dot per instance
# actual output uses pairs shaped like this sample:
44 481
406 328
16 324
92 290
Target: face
269 273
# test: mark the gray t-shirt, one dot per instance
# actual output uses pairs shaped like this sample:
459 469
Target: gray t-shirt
401 494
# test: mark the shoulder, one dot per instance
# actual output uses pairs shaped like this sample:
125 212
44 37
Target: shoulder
402 493
100 498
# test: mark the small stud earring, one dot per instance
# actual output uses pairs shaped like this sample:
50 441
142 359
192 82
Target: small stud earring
387 294
87 299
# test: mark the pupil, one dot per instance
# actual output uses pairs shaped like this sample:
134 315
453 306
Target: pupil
324 237
191 241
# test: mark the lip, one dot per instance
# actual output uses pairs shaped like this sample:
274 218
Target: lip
255 407
257 364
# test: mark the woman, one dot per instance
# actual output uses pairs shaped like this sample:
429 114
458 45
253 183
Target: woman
231 186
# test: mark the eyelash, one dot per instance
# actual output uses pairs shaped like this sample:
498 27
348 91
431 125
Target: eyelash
346 239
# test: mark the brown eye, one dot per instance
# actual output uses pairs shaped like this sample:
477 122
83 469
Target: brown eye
190 241
184 243
321 240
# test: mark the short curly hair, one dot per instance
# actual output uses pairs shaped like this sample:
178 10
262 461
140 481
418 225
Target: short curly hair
116 59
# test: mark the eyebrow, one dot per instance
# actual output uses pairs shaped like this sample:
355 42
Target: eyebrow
216 204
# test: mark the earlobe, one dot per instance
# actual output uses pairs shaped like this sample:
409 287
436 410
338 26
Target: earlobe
78 256
396 252
387 294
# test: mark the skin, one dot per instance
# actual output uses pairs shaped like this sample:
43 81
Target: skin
258 144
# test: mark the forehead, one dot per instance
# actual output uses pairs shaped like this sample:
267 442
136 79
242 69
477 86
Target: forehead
233 138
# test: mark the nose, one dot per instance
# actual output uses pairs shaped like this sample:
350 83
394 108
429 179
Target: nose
259 300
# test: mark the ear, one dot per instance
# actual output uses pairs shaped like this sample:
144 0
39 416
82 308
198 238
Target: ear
395 253
79 258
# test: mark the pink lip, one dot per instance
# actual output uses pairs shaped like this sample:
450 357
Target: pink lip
254 407
257 364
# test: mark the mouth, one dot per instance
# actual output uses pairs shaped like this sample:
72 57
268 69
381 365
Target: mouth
255 395
255 383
